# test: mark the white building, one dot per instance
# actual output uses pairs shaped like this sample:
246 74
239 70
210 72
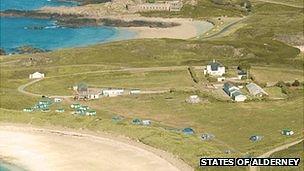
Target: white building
36 75
234 92
135 91
214 69
112 92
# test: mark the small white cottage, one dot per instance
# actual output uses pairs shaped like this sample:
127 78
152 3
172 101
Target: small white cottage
36 75
214 68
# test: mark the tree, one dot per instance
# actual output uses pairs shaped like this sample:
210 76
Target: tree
296 83
245 66
246 4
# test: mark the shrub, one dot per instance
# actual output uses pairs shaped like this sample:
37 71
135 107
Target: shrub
193 74
296 83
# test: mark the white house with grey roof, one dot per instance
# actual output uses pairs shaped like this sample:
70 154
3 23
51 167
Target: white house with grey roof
214 68
256 90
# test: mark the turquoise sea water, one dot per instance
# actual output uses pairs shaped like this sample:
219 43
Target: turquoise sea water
16 32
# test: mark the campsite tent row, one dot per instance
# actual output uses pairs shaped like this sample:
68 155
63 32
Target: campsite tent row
82 110
234 92
42 105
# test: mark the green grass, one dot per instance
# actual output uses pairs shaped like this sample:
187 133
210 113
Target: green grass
232 123
275 92
273 75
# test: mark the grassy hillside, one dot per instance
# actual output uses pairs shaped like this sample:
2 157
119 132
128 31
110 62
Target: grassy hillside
232 123
295 151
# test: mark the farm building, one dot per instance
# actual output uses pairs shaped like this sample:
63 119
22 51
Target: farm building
255 90
287 132
188 131
238 96
214 68
112 92
234 92
193 99
36 75
87 94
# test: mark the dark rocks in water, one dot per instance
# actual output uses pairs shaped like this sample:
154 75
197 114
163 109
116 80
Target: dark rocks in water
137 23
73 20
27 49
35 14
2 51
76 22
86 2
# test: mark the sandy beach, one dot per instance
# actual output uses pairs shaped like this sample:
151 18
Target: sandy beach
47 149
186 30
188 27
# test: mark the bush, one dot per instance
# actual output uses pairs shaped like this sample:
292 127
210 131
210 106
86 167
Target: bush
296 83
283 87
193 74
212 79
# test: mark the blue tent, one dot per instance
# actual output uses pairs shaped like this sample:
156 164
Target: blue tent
188 131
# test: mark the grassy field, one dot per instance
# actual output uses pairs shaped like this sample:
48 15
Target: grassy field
154 80
232 123
273 75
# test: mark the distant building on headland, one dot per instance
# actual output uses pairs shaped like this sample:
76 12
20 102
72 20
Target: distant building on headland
156 6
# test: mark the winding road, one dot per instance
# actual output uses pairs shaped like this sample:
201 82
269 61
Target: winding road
269 153
282 3
22 88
